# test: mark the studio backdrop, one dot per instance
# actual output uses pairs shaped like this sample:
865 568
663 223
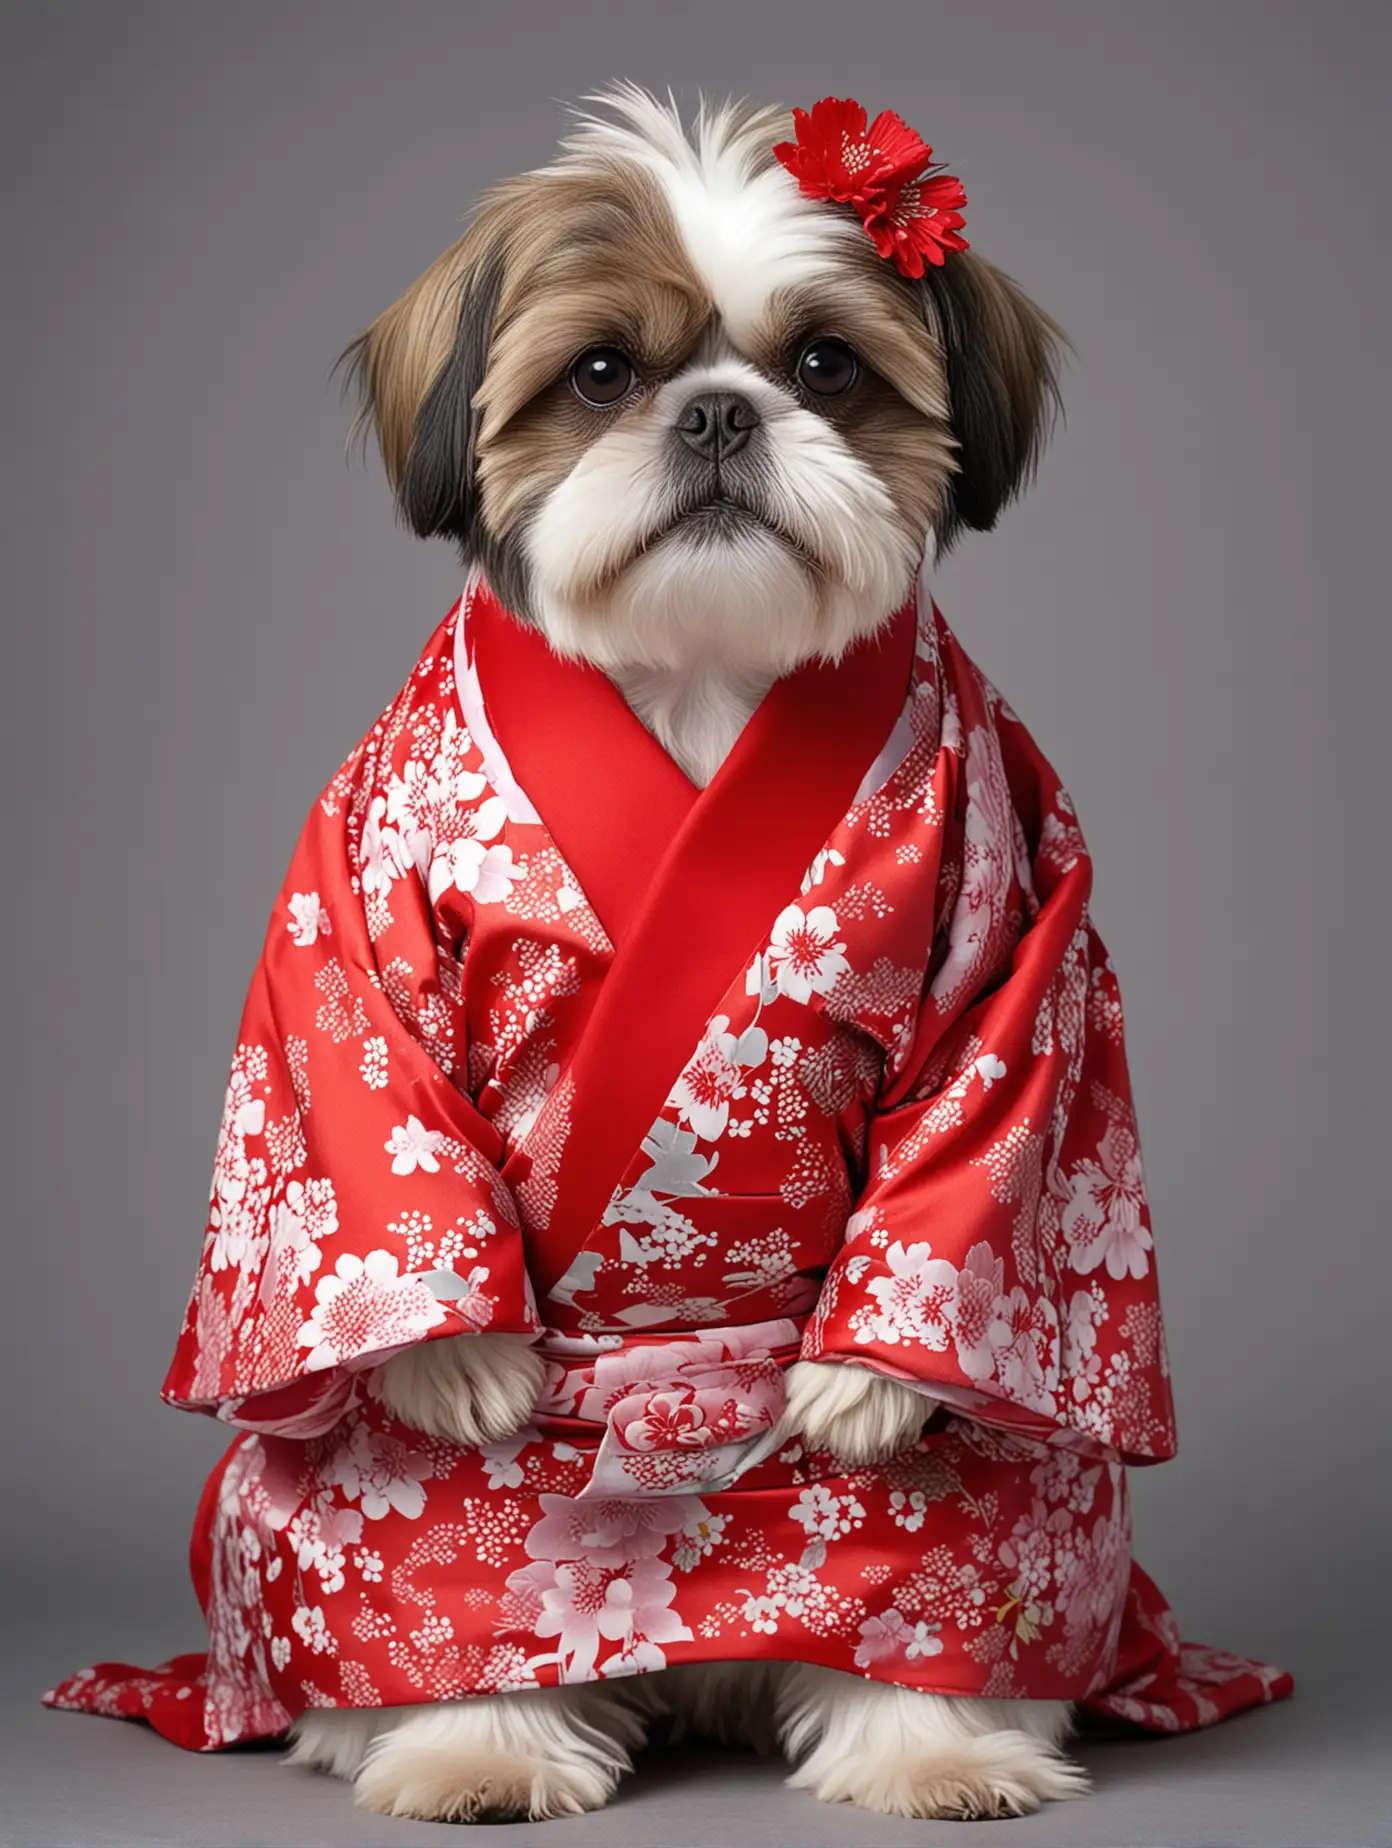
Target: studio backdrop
207 605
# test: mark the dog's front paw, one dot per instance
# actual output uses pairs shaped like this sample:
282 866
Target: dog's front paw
433 1785
975 1780
472 1389
862 1417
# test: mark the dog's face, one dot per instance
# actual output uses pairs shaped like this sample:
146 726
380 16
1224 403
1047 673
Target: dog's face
672 407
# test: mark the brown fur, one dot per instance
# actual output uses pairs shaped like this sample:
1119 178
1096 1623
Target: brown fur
394 362
586 253
597 267
897 418
1023 344
1002 355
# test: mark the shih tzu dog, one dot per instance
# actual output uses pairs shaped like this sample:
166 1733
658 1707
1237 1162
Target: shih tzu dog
693 427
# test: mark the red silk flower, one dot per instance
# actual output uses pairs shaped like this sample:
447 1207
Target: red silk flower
912 213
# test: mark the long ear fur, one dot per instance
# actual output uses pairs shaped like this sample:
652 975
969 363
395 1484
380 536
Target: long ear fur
1002 355
417 370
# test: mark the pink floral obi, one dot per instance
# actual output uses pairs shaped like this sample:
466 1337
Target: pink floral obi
672 1414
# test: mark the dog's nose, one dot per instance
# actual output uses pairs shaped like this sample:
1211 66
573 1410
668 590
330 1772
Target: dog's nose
716 424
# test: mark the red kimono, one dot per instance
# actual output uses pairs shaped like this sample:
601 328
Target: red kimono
824 1060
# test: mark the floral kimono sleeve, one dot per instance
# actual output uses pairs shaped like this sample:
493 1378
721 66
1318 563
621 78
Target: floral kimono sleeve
1000 1253
355 1206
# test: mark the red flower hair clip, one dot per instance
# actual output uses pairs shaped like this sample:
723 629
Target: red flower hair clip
912 211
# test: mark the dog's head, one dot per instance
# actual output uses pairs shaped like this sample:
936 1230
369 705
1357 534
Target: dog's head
669 404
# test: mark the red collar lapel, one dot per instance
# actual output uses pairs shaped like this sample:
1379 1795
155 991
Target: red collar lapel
687 882
609 795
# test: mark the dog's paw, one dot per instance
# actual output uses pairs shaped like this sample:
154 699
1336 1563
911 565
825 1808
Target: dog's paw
534 1753
471 1389
437 1784
993 1776
860 1416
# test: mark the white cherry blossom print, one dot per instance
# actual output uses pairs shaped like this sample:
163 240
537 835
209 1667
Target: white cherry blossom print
342 1014
886 1635
307 1214
678 1170
319 1534
365 1308
916 1299
761 1614
495 878
698 1540
1082 1364
383 857
1093 1567
925 1641
587 1605
1024 1333
665 1420
469 863
240 1193
609 1530
759 982
979 927
825 1515
374 1068
466 1294
803 955
309 921
500 1462
979 1284
311 1626
414 1146
816 872
1103 1220
417 805
235 1239
714 1078
424 801
382 1474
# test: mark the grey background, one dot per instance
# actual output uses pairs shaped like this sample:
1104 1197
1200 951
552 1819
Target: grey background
206 607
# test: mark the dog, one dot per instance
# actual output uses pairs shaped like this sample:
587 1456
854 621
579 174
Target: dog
690 424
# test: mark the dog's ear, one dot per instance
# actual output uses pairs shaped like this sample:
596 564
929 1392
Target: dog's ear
417 371
1002 356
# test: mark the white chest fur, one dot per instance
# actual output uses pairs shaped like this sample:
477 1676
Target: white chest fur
695 712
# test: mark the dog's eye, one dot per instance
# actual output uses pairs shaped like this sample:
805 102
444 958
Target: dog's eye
827 367
602 376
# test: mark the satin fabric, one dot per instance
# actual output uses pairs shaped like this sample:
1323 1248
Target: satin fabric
824 1060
